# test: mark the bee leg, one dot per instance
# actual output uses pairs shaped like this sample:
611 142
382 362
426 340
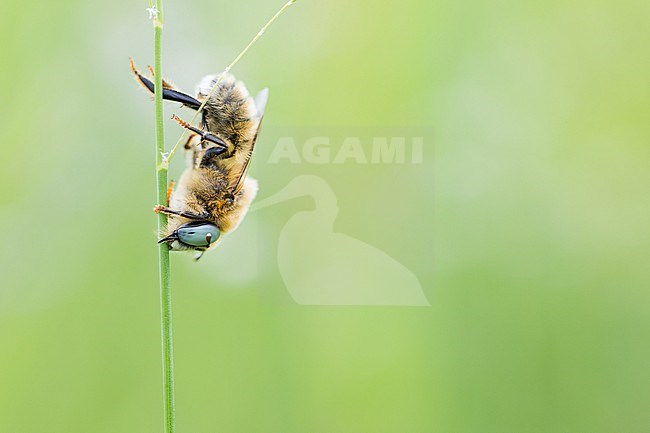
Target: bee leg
209 154
205 135
170 190
169 93
165 84
184 214
193 144
190 139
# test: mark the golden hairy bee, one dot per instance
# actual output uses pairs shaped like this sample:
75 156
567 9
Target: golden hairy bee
214 192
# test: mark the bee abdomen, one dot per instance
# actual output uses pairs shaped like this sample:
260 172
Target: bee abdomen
230 111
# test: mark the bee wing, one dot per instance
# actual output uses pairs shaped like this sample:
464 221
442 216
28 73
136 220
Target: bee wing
260 102
260 105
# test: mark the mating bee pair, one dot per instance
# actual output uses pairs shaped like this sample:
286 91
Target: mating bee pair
214 192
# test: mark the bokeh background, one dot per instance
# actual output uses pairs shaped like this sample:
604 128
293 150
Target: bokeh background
526 223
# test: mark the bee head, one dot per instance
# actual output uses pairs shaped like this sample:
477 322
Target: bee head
195 235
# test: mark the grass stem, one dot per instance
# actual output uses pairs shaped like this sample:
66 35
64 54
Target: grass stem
163 248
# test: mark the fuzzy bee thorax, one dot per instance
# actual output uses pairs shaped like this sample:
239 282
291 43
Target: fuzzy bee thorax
230 110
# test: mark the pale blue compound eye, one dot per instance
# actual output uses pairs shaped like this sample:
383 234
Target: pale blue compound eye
198 234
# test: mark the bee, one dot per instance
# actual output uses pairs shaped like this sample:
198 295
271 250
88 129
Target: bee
214 192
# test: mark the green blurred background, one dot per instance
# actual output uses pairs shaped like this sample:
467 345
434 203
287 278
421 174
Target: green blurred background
527 223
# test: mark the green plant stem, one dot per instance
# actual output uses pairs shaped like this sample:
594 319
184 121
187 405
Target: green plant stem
163 248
